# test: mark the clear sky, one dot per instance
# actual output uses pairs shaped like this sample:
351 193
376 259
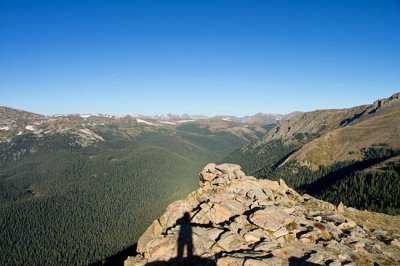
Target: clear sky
198 57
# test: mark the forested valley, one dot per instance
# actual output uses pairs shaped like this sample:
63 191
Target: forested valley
63 204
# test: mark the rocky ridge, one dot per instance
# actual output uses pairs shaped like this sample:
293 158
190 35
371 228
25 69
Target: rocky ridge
304 127
234 219
86 128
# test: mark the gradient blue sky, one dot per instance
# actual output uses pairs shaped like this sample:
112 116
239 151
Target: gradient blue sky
199 57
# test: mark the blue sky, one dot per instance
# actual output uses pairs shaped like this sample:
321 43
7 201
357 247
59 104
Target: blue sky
198 57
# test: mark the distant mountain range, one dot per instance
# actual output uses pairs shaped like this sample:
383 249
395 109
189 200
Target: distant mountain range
15 122
261 118
258 118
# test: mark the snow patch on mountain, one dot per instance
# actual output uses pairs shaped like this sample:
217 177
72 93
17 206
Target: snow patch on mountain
145 122
185 121
167 123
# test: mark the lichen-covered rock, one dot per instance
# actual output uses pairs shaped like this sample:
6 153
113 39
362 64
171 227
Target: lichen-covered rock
234 219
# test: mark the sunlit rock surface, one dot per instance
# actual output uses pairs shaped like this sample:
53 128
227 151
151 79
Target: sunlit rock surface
234 219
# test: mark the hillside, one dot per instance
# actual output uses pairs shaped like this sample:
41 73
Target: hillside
234 219
347 143
323 151
76 189
304 127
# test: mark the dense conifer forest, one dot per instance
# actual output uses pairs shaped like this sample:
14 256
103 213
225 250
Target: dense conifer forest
261 160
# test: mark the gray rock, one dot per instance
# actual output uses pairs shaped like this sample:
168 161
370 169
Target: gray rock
209 168
269 219
228 168
230 242
258 262
347 226
230 261
239 174
268 184
152 232
340 207
257 194
280 232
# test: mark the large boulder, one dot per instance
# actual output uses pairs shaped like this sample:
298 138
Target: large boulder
269 184
228 168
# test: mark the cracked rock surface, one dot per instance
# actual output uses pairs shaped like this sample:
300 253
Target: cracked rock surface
234 219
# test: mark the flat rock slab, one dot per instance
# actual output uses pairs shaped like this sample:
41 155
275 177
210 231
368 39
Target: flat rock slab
270 219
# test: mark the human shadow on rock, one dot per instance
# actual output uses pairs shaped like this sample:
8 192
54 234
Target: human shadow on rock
185 245
185 239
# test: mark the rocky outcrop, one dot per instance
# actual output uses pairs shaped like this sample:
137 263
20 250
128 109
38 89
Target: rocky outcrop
234 219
